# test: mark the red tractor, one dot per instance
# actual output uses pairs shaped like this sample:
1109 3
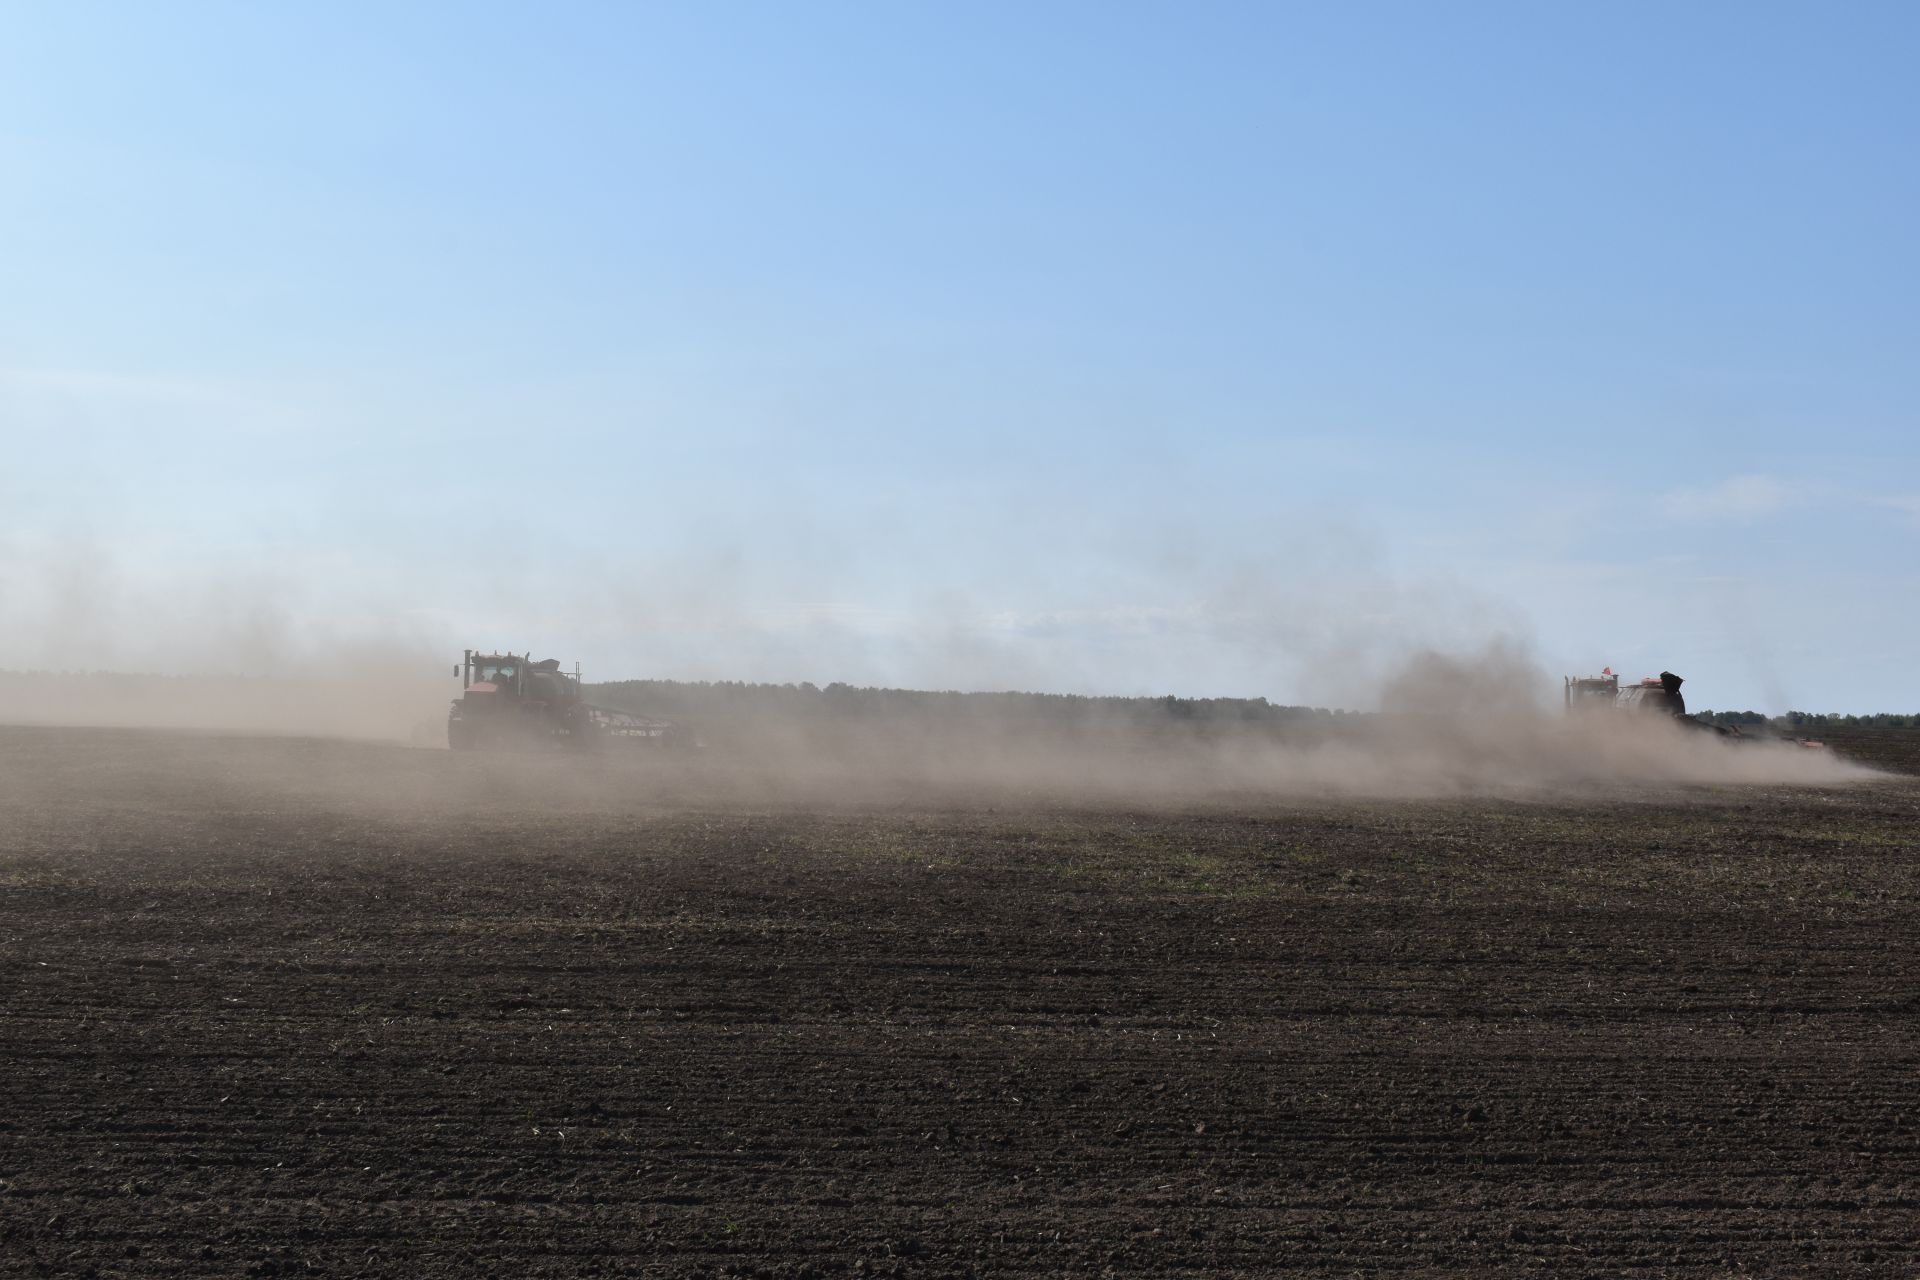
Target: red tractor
509 700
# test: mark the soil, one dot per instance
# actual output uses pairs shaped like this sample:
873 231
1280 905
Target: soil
291 1007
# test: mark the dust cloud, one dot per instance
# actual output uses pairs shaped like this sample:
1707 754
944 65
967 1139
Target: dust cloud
1448 725
372 695
1508 746
1458 720
94 637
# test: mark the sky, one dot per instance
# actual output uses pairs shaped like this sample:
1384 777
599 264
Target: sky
1207 349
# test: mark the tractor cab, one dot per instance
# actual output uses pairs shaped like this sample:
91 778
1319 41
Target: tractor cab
1588 693
500 672
517 676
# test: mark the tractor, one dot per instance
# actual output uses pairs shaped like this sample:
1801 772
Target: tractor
508 700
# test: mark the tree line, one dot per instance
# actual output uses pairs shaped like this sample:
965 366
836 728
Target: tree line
1813 720
698 698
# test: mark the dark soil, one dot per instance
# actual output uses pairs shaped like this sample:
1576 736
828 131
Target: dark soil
284 1007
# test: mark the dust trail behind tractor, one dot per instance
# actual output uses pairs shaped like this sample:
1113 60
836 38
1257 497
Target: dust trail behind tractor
508 701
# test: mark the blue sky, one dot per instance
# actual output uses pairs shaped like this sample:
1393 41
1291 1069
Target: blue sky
1209 349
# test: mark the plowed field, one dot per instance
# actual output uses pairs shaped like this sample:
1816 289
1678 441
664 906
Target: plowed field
288 1007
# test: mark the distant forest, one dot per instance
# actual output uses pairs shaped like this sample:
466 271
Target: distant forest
695 699
1811 720
734 698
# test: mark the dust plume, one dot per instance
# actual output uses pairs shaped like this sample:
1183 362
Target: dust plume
285 654
92 636
379 698
1449 725
1478 724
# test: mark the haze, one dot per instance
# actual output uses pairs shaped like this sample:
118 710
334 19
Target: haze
1230 350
